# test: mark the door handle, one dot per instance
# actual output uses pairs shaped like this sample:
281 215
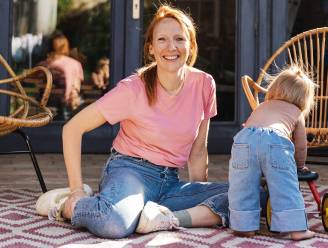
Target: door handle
135 9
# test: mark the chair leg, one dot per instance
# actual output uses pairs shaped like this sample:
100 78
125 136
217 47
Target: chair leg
33 158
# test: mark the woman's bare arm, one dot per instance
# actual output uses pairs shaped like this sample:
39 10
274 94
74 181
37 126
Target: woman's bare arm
88 119
198 158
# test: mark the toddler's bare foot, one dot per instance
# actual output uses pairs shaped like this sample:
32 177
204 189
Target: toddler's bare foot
244 234
301 235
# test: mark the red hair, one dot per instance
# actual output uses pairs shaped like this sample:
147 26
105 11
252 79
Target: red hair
148 73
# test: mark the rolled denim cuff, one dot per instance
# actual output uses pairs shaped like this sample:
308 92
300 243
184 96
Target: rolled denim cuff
245 221
224 217
289 220
78 211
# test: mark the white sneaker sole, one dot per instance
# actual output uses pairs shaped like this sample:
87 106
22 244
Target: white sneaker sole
144 218
149 213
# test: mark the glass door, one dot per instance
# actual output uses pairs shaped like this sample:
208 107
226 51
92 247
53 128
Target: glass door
87 40
72 39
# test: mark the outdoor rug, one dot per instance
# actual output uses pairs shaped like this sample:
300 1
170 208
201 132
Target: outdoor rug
20 227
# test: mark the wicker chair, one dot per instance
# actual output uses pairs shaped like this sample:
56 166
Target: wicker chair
308 50
26 112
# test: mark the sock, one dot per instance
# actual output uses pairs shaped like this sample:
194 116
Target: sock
184 218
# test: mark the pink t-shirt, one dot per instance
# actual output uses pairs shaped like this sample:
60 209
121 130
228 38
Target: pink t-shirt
72 70
163 133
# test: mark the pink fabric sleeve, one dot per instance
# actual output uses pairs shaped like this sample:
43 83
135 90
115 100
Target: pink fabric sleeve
116 105
300 142
209 98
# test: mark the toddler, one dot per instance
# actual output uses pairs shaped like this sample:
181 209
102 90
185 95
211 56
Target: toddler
273 143
101 76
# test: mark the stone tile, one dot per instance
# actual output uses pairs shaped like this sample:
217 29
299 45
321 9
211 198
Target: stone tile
17 171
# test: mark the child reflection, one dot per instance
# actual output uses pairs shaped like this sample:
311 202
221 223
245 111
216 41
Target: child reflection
100 77
67 71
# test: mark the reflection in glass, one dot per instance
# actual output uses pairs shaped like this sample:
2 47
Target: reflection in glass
72 39
216 41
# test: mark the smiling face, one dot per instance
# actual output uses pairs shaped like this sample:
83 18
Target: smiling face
170 45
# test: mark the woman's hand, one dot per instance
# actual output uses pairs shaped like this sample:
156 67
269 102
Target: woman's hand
71 202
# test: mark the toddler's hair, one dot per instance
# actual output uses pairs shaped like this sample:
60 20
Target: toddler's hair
294 86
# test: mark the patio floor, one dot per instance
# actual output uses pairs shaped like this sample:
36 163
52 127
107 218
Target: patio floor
21 227
17 170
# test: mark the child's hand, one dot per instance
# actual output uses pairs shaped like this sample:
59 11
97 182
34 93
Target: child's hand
306 174
304 170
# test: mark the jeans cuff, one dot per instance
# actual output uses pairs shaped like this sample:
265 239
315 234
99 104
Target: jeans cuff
245 221
224 217
75 219
289 220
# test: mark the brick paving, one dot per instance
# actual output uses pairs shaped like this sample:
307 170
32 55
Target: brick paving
17 170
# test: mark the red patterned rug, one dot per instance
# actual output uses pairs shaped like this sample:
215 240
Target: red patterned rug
20 227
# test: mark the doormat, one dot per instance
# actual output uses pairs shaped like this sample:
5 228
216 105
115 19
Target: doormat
20 227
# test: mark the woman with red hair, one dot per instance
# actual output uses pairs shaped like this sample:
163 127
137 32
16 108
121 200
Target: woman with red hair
164 112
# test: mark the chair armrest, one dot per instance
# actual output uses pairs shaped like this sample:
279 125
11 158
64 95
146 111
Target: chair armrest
16 79
21 116
48 85
252 97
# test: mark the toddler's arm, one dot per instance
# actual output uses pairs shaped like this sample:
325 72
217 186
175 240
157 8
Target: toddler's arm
300 143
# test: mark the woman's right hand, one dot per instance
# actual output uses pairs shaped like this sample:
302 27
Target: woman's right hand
71 202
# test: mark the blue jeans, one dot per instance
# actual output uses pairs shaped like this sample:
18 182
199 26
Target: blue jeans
128 183
264 150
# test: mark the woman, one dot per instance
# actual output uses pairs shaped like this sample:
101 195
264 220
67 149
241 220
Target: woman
164 111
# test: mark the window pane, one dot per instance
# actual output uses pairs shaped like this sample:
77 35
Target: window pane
215 21
72 39
306 14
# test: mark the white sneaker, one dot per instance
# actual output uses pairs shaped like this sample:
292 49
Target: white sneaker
55 199
155 217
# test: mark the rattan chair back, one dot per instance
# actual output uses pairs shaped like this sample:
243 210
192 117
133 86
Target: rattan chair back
308 50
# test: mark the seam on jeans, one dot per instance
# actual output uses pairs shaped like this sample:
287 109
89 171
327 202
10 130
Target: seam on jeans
290 210
199 192
113 156
246 211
